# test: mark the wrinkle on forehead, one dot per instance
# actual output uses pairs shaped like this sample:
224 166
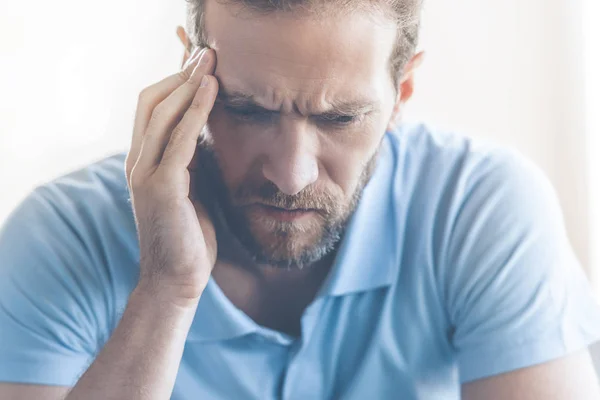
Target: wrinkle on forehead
292 62
317 102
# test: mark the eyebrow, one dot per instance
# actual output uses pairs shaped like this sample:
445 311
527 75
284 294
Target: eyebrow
241 100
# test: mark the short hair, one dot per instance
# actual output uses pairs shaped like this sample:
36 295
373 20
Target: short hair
405 13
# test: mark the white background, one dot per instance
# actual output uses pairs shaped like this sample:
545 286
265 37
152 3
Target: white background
520 73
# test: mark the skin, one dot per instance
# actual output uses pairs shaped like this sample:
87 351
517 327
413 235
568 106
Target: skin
296 150
298 67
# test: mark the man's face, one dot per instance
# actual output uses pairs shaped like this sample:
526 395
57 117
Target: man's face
302 109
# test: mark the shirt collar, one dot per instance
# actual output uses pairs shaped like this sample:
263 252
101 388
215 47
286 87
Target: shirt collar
367 258
217 318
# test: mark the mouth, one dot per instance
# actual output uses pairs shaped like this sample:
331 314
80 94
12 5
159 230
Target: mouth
282 214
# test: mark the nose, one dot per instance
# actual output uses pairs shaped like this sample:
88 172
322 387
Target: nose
291 160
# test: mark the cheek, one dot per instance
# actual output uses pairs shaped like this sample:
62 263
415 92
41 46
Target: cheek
237 153
344 159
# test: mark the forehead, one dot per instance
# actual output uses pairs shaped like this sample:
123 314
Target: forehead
283 58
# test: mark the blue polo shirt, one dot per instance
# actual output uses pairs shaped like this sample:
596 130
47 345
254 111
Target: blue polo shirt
455 267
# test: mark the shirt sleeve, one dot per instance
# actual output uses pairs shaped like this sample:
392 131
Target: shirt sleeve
53 316
515 292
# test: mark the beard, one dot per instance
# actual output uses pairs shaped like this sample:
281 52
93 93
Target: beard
266 241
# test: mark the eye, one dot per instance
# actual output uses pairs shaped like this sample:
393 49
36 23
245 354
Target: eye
344 119
340 120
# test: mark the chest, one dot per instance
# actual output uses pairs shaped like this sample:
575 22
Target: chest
355 347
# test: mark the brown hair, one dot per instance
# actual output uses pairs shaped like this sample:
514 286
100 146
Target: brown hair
405 13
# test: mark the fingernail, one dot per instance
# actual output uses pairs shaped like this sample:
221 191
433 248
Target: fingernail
204 81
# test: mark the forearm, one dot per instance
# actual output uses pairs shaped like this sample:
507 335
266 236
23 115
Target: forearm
176 237
141 359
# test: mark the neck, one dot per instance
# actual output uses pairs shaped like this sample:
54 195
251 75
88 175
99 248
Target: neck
273 297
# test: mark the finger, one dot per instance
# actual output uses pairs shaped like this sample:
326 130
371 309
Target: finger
194 163
148 99
183 142
166 114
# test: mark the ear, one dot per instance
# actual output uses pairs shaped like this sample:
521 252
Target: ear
187 44
406 87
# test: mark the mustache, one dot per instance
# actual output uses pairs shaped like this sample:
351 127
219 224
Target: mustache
268 193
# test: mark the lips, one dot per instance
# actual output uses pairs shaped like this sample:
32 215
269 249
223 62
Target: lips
282 214
281 209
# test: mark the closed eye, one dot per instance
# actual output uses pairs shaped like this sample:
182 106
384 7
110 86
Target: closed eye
339 119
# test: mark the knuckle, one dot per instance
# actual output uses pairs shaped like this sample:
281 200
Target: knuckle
139 180
145 95
136 181
171 152
194 80
178 133
199 109
203 114
158 112
185 75
197 105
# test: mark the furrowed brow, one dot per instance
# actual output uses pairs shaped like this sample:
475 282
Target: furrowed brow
356 107
239 99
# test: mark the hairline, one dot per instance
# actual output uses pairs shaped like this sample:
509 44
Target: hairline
196 26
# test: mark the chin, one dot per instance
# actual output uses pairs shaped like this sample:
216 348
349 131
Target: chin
290 245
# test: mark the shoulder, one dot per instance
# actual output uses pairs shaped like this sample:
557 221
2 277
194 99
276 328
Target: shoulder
426 151
77 229
93 185
467 209
90 206
444 171
68 256
95 196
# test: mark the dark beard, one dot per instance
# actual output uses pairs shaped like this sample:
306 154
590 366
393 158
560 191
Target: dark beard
233 226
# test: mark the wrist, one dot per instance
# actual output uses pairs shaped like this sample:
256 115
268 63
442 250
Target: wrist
179 292
146 301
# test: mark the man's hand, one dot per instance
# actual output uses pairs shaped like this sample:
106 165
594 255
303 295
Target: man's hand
177 239
177 242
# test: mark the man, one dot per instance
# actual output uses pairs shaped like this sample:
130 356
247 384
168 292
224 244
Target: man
293 240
